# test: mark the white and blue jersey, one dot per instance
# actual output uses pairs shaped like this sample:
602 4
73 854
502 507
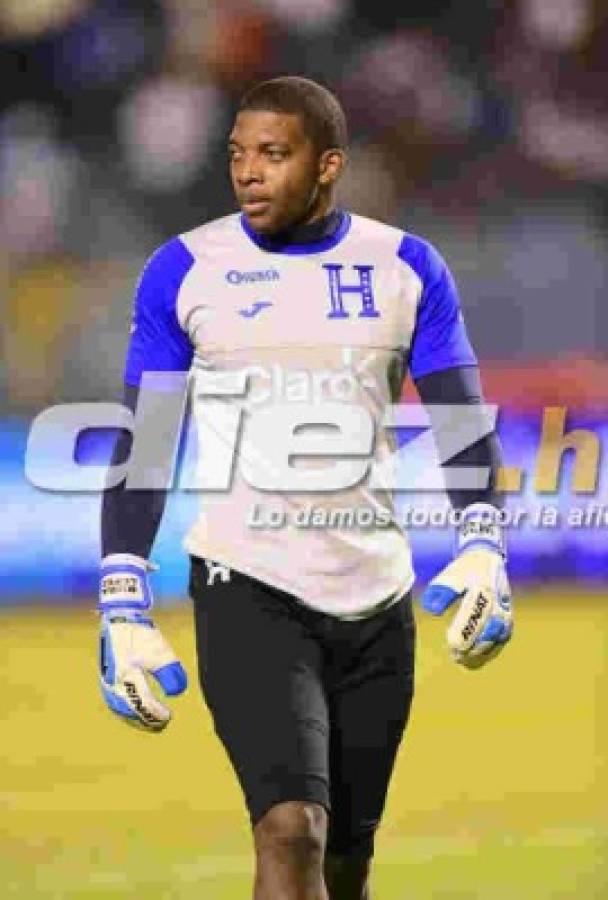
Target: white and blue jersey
341 319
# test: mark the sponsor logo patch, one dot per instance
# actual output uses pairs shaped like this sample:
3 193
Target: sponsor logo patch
476 527
236 277
120 586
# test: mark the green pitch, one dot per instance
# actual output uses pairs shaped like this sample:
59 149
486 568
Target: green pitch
500 791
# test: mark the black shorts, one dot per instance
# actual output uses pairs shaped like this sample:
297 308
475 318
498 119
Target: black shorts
308 707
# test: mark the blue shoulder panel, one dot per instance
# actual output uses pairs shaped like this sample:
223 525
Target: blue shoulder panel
158 343
440 339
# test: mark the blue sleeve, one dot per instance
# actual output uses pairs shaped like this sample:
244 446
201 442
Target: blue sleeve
440 338
157 342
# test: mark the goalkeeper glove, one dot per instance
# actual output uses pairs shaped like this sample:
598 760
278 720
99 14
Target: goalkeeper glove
130 646
476 578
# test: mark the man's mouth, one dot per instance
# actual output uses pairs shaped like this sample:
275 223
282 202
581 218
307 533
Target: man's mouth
255 206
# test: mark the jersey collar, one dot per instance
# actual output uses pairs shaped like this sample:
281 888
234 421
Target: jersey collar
323 235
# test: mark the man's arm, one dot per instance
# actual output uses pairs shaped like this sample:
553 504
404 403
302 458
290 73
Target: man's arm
130 645
461 386
444 368
129 519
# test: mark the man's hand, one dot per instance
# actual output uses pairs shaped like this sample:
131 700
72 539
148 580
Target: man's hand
477 579
131 647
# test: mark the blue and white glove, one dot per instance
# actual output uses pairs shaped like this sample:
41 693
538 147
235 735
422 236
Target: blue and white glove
477 579
131 646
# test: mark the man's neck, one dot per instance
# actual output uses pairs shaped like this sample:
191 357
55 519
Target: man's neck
303 233
311 232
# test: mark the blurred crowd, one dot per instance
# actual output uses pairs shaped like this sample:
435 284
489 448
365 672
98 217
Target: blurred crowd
481 125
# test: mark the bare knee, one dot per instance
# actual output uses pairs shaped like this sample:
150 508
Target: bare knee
296 827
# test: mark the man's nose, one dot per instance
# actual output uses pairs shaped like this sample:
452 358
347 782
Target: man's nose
250 170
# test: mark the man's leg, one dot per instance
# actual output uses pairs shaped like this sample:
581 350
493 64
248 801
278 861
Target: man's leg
347 877
260 671
290 846
369 697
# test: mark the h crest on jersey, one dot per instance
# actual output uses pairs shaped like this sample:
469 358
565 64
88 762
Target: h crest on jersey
337 290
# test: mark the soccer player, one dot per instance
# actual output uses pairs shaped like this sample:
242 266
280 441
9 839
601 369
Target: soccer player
305 633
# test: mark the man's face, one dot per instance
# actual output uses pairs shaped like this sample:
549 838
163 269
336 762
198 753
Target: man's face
275 170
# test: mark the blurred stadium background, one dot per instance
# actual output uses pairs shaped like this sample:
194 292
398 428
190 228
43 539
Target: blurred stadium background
481 126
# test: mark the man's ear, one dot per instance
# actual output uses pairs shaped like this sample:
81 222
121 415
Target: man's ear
331 166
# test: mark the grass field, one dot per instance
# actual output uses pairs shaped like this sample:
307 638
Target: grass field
500 791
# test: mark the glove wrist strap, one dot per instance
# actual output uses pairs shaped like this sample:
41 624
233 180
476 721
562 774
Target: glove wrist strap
124 583
480 527
128 559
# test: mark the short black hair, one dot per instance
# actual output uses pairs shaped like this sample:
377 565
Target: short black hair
319 109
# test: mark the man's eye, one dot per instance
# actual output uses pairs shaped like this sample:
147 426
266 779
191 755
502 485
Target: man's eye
276 155
233 155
